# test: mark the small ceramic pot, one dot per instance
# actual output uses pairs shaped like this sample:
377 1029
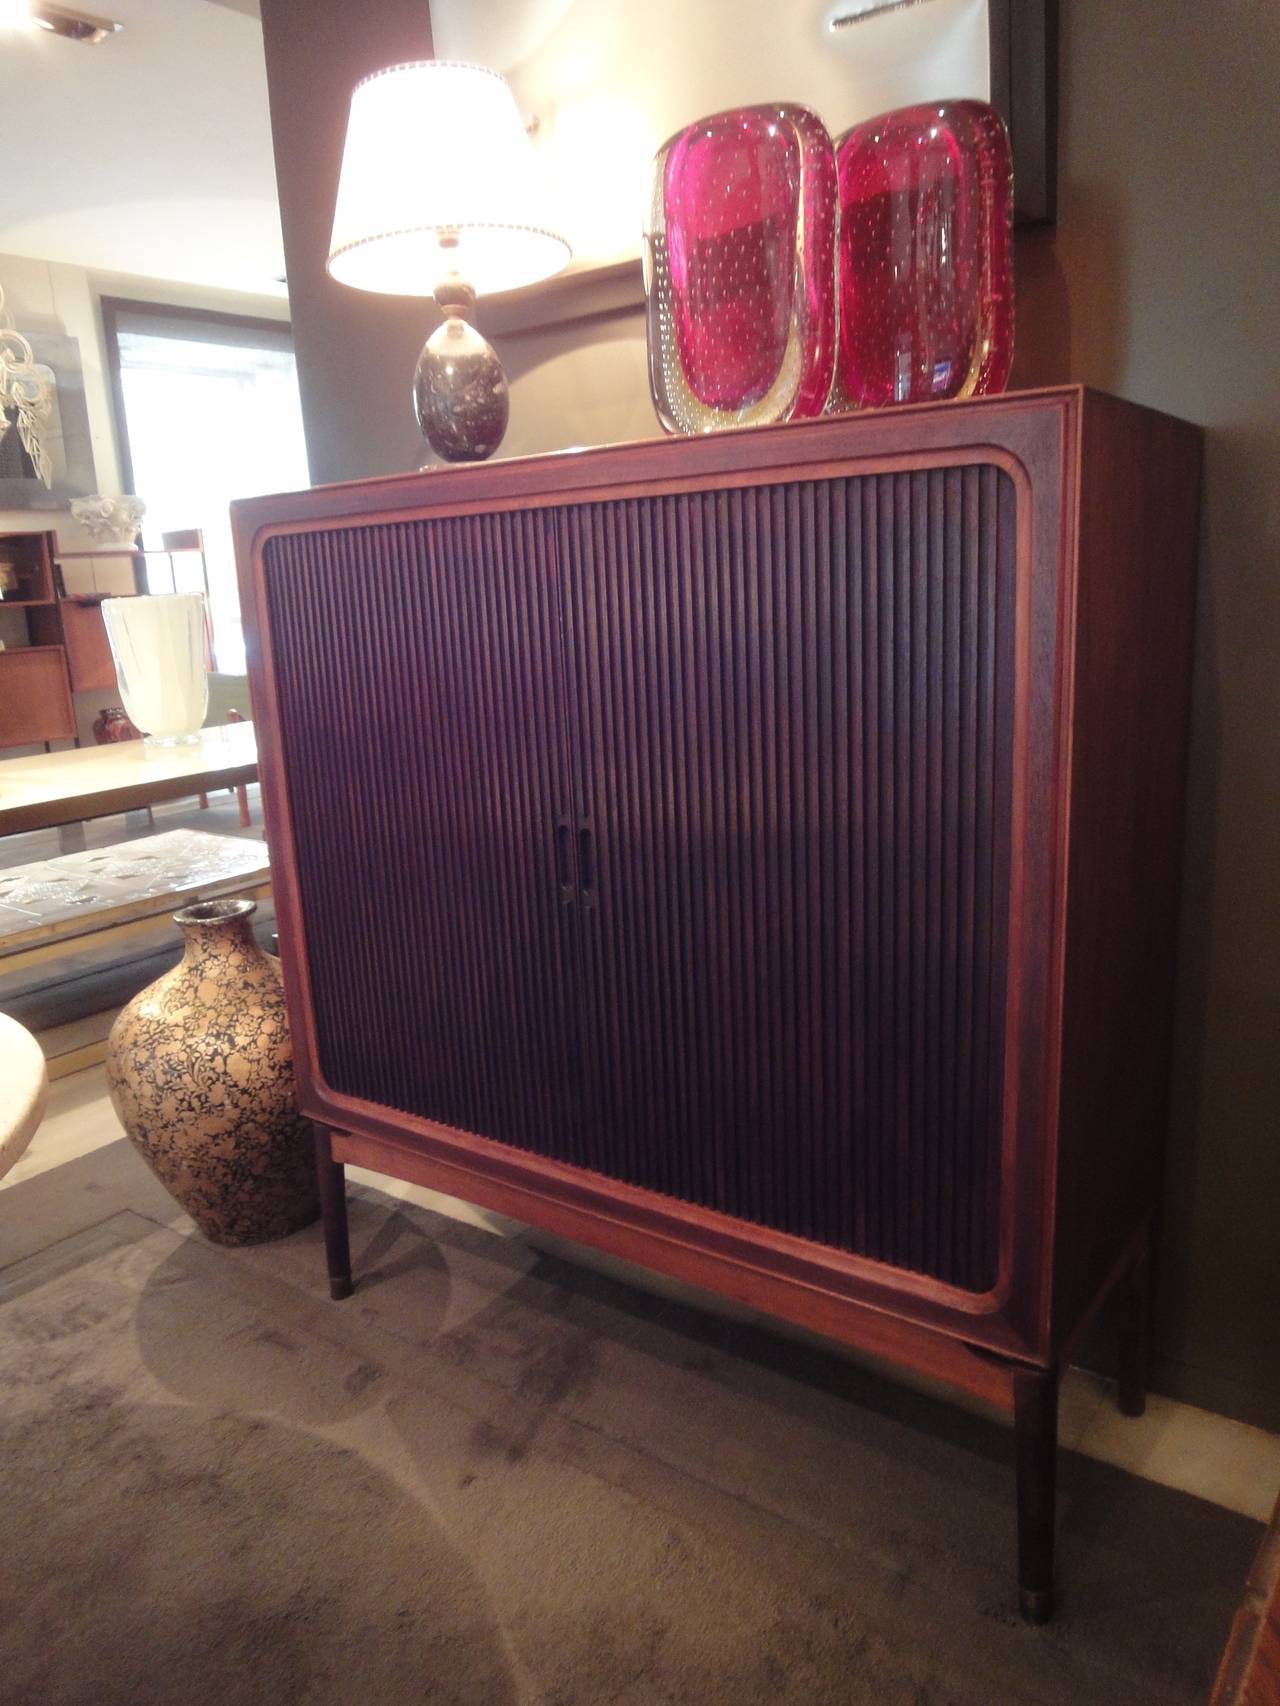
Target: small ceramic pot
112 724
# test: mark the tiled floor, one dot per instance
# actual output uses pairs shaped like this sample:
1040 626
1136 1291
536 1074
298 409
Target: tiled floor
1223 1461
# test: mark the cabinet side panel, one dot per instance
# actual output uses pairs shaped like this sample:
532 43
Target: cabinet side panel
1135 598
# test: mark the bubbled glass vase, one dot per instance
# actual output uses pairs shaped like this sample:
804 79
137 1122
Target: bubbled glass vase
925 273
739 256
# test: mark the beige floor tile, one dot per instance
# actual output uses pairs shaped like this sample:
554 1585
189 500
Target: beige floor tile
1224 1461
79 1118
1080 1397
402 1191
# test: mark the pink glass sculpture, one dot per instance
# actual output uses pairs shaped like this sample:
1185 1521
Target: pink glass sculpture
925 279
739 260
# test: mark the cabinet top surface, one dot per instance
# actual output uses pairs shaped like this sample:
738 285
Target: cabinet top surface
733 454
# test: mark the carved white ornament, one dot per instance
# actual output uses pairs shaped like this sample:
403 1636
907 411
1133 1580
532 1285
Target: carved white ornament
109 521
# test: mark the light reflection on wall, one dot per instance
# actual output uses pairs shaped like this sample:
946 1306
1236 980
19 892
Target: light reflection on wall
609 83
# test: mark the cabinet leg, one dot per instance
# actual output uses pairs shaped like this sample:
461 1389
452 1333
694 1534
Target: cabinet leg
333 1209
1035 1426
1133 1323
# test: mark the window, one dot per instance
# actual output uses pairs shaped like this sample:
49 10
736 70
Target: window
207 407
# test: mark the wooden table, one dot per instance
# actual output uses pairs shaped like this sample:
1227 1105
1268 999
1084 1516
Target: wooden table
108 893
54 788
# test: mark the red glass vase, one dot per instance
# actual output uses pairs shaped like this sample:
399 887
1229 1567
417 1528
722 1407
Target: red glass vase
925 271
739 259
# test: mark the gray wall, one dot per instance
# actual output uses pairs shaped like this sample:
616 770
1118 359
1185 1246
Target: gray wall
356 352
1161 283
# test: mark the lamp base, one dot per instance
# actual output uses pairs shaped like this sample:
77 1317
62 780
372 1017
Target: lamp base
460 391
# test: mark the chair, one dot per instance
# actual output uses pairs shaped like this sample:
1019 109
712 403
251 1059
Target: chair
242 791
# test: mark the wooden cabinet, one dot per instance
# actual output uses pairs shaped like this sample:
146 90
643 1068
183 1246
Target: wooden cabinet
757 856
26 570
35 690
66 649
89 661
63 616
35 696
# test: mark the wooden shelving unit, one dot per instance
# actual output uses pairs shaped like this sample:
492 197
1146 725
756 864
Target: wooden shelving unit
26 559
67 651
35 685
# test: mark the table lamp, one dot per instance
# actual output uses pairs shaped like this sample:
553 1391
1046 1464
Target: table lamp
438 197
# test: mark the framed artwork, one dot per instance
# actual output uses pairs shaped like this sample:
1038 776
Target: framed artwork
67 439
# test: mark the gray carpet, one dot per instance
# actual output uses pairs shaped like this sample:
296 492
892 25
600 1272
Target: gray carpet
494 1477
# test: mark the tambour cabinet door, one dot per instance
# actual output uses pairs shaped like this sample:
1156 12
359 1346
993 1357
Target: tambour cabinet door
415 682
793 706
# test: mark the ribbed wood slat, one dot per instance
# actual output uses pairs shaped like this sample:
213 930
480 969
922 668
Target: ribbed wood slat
786 702
420 701
774 724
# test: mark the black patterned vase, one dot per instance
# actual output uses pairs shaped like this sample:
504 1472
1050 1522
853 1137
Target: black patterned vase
200 1069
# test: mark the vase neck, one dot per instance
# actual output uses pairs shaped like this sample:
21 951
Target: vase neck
216 930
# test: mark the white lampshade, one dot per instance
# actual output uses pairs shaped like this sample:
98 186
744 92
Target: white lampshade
437 149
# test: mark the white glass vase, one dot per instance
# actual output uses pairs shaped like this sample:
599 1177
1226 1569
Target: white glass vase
158 644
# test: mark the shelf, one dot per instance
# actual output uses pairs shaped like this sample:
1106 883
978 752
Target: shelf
27 565
131 551
25 603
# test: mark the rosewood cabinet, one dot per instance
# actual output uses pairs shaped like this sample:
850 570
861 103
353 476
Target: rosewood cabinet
757 856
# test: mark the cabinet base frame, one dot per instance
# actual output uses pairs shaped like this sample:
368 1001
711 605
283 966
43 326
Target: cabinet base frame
1028 1390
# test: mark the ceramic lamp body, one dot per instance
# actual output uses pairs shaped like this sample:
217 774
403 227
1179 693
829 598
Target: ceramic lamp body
200 1071
739 254
460 393
925 275
158 647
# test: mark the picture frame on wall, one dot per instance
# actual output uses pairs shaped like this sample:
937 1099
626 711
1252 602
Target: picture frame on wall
67 437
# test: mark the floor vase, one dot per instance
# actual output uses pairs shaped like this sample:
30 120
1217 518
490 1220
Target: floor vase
200 1070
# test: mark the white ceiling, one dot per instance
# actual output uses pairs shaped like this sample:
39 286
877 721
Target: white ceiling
151 152
147 154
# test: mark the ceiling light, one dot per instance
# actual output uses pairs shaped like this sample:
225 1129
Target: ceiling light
858 11
73 26
16 15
